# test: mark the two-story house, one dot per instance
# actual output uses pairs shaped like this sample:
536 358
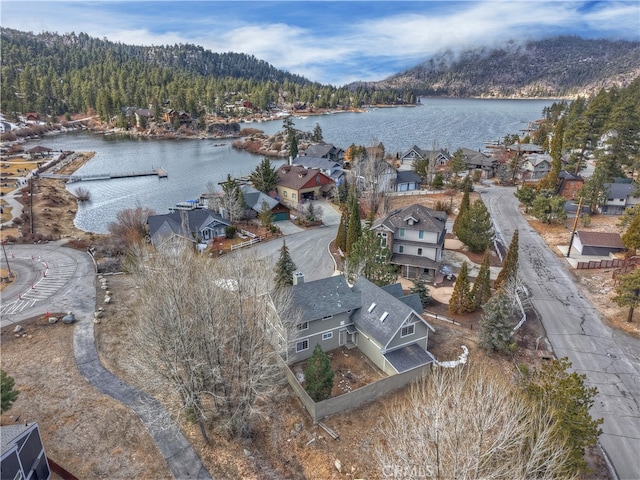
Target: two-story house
436 157
415 235
620 196
382 323
330 168
478 161
326 150
536 166
296 184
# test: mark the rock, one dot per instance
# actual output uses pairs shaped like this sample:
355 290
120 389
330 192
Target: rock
98 314
108 292
96 320
18 329
298 426
107 299
103 287
338 465
69 318
17 335
29 337
53 319
100 309
247 452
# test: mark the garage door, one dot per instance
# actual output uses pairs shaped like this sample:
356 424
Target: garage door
278 217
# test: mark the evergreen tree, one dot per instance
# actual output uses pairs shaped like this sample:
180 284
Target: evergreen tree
293 145
265 216
420 287
342 193
354 225
509 270
284 267
264 177
628 292
570 400
481 290
474 227
7 391
317 133
341 236
464 206
461 301
457 163
631 237
497 323
550 180
370 258
526 195
318 375
549 209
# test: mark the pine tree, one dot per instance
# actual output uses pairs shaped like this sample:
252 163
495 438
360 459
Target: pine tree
510 266
474 228
420 287
371 259
7 392
317 133
481 290
284 267
627 292
464 206
570 400
354 226
461 301
497 323
526 195
318 375
550 180
631 237
341 236
264 177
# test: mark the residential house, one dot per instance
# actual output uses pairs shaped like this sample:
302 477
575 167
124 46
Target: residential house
524 148
536 166
385 177
255 199
382 323
326 150
569 185
31 117
478 161
436 157
330 168
407 180
39 152
415 235
198 226
620 196
183 117
297 184
22 453
597 243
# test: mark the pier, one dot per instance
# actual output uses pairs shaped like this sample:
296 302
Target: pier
159 172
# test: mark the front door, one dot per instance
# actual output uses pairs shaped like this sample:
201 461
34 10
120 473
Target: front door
342 337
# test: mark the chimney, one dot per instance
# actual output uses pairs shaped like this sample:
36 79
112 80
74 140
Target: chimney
298 278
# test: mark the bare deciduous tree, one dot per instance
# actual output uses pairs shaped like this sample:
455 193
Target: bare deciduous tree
469 423
203 333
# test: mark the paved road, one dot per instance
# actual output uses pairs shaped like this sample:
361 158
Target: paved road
309 249
609 358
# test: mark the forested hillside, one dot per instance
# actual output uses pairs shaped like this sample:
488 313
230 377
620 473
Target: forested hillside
554 67
54 74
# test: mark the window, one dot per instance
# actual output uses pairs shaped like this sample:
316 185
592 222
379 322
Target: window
421 234
383 238
401 249
284 194
327 336
419 251
407 330
293 196
370 309
302 346
401 232
327 317
384 316
303 326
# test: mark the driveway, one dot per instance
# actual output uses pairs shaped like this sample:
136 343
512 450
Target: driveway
609 358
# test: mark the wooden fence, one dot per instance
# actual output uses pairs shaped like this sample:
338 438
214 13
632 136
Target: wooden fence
612 263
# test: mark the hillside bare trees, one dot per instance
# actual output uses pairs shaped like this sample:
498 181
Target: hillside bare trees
469 423
203 333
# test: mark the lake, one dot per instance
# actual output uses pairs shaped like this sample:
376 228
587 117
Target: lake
193 165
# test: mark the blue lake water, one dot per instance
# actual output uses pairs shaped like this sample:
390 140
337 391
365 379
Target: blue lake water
193 165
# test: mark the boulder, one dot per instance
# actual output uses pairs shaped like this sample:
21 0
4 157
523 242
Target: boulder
18 329
53 319
69 318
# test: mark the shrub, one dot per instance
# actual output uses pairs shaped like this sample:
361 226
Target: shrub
230 231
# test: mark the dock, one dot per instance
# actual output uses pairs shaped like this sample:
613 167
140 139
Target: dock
159 172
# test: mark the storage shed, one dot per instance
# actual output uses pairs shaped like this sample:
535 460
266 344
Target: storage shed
597 243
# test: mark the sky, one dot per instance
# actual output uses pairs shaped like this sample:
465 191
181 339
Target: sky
331 42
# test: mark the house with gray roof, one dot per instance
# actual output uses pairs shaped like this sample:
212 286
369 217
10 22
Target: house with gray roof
435 157
22 452
382 323
415 235
535 166
620 196
478 161
255 199
407 180
330 168
197 226
326 150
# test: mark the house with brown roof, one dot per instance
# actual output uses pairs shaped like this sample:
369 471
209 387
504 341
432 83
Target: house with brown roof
297 184
415 235
597 243
569 185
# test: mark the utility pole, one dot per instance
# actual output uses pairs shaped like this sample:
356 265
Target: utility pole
575 224
7 260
